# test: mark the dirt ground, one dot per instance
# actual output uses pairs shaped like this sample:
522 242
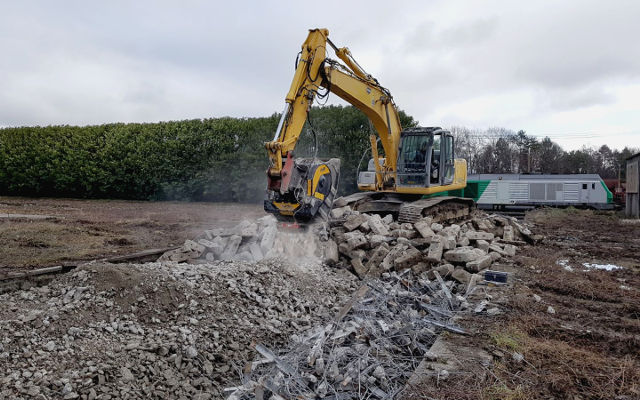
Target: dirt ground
576 328
587 345
91 229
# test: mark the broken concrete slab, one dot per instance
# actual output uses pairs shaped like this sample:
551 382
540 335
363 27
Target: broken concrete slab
424 228
436 227
434 253
378 225
479 264
476 235
482 245
375 262
508 233
377 240
246 229
463 254
461 275
354 221
443 270
231 248
268 238
395 252
408 258
359 268
340 212
355 239
331 254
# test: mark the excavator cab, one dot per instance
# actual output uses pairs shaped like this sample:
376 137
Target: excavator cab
425 158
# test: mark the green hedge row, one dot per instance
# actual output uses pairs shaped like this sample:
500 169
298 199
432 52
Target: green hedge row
220 159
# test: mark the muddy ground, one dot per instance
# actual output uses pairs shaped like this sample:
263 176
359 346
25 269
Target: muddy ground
91 229
577 329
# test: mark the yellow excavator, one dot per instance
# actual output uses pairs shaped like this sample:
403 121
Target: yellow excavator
418 164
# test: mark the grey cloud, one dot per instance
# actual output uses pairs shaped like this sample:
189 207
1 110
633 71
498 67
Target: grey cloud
87 62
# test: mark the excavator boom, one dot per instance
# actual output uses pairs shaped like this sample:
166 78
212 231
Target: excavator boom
303 188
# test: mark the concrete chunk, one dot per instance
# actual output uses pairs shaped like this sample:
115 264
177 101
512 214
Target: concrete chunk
404 233
508 233
216 246
190 245
434 254
387 219
340 202
354 221
377 240
463 240
378 226
268 238
375 261
449 242
394 253
407 258
340 212
232 247
463 254
444 270
424 228
246 229
473 235
355 239
482 245
419 267
510 250
331 255
436 227
479 264
359 267
256 251
462 276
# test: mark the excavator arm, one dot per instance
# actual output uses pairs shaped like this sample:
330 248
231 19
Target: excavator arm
315 72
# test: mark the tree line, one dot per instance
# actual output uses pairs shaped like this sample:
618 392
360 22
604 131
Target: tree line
216 159
223 159
500 151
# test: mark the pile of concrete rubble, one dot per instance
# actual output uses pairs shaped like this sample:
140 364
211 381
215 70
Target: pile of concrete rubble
371 244
156 330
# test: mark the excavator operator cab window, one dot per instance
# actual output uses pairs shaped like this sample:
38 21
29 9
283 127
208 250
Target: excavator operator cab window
448 159
412 163
434 168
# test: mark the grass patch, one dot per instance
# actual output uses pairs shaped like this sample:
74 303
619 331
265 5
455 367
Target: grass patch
500 391
511 339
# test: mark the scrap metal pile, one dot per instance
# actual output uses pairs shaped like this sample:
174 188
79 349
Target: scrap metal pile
369 350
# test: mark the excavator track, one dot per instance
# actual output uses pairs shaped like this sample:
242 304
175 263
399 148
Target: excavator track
440 209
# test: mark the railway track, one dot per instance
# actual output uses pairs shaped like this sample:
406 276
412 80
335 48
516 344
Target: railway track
22 280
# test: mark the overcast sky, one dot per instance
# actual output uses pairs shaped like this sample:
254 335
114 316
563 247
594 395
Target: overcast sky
566 69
